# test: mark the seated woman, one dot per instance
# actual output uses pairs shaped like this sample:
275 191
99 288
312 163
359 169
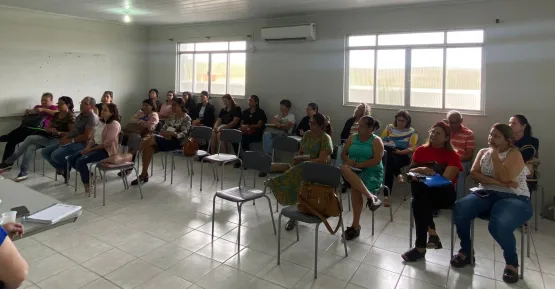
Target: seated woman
103 144
146 120
229 118
166 109
363 169
204 114
107 97
153 94
527 144
190 103
502 196
351 124
13 268
252 125
46 109
400 140
304 125
60 125
172 136
316 146
436 156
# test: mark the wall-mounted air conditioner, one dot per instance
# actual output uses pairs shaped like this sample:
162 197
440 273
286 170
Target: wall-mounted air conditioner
284 33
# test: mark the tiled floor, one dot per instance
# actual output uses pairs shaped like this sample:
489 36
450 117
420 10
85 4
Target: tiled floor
163 241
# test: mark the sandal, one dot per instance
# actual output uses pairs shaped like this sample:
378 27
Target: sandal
352 233
386 203
434 242
459 262
127 172
413 255
141 179
510 276
373 204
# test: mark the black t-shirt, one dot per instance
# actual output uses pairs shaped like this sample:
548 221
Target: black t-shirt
227 116
253 118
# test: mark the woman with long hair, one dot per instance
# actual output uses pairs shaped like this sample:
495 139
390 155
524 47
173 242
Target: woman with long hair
153 94
524 141
204 114
190 103
436 156
166 109
311 109
229 118
502 195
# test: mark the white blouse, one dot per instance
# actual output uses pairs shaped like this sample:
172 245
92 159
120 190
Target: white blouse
97 138
486 166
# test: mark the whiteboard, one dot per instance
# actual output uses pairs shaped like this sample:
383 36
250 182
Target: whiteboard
26 74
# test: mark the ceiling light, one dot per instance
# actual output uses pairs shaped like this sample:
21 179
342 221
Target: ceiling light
127 5
126 18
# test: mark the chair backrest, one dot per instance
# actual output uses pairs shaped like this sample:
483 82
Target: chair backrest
321 173
231 135
201 133
258 161
285 144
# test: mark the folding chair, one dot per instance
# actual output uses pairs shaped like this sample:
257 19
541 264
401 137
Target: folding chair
199 133
258 162
320 174
232 136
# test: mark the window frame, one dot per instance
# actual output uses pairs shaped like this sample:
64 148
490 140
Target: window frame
228 53
408 69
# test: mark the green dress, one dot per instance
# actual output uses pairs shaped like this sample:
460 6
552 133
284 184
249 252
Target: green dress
360 151
287 185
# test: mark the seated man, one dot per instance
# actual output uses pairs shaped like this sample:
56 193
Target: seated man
462 139
46 109
75 140
281 124
13 268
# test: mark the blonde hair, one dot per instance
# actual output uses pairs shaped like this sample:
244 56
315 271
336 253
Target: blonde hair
367 109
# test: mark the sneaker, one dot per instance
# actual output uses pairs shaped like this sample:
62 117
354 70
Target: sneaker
413 255
21 177
510 276
5 166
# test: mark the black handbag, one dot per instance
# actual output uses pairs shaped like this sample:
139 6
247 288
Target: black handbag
32 120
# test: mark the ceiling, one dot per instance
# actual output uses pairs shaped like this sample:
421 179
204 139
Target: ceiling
160 12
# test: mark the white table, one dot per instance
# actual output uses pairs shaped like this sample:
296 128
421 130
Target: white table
14 195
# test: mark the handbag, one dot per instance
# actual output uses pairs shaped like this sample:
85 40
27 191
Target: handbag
32 120
320 201
190 147
136 128
117 159
531 164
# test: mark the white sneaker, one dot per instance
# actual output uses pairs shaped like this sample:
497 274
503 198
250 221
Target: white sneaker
21 177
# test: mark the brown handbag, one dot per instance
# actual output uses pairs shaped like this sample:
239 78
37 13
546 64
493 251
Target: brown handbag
190 147
320 201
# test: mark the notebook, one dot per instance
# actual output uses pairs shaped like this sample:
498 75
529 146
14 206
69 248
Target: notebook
53 214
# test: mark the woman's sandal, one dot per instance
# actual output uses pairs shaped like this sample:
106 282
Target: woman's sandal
413 255
434 242
142 179
373 204
458 261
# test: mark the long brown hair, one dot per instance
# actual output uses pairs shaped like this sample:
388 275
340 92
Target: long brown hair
230 98
447 131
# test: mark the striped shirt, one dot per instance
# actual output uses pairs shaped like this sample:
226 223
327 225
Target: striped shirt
463 140
403 138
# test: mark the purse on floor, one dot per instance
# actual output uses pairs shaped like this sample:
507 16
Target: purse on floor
320 201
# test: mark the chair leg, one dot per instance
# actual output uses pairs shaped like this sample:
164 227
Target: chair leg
104 191
452 231
528 235
349 199
390 207
271 214
472 242
279 239
140 186
165 164
190 165
152 167
239 228
372 223
277 206
213 214
315 250
222 180
67 173
201 166
297 231
522 251
172 168
76 181
94 181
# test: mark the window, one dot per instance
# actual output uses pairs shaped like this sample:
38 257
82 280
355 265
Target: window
433 70
218 67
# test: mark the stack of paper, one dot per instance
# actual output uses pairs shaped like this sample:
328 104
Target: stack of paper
53 214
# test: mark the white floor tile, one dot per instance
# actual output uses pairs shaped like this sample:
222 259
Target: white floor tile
286 274
48 267
409 283
108 261
225 277
427 272
101 283
193 241
166 256
167 281
87 250
374 278
193 267
75 277
249 261
385 260
133 274
322 282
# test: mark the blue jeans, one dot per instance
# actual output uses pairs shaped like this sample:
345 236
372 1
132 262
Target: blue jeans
56 154
461 179
267 139
506 213
80 162
27 148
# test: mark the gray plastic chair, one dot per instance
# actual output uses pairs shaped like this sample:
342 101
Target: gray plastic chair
233 136
286 144
320 174
199 133
101 168
259 162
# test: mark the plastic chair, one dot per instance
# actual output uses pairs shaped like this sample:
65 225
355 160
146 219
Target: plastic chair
259 162
103 168
320 174
233 136
199 133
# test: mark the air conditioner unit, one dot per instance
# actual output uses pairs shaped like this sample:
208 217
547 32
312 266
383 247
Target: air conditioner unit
284 33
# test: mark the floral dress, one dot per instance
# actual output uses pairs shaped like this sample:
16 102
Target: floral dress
287 185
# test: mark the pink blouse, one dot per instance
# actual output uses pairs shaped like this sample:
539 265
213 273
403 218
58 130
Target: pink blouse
166 110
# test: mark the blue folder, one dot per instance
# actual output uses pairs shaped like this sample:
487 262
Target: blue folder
436 180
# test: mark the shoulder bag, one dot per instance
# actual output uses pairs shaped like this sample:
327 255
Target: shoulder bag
320 201
190 147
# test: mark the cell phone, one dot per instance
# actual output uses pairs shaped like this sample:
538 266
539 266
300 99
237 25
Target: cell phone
22 211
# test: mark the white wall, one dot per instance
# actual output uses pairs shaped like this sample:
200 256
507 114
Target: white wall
124 46
520 62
